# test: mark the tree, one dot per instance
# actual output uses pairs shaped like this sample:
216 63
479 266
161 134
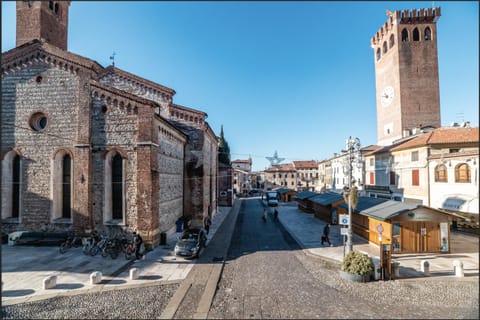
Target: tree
223 149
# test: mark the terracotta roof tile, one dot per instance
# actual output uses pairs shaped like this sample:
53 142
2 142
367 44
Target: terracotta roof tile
446 135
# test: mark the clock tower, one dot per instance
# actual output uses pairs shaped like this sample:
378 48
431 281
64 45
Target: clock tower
406 74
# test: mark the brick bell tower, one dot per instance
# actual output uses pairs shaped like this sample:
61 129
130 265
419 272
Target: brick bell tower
406 74
46 20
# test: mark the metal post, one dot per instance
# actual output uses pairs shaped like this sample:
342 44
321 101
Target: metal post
349 235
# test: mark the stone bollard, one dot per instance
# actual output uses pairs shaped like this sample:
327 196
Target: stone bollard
49 282
95 277
458 268
396 269
425 267
134 273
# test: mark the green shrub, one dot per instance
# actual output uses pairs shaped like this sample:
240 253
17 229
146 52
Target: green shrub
357 263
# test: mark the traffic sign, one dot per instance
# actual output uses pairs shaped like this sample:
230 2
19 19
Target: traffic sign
380 228
344 219
344 231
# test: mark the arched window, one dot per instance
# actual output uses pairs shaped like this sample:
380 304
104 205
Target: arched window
392 41
441 173
61 186
379 54
462 173
114 191
67 187
11 185
385 47
404 35
428 34
416 35
117 187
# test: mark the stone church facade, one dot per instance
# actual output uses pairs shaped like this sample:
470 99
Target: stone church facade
94 148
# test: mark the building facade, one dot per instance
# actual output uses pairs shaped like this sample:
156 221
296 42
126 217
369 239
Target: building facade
94 148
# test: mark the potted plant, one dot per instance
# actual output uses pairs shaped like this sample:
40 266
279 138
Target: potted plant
357 266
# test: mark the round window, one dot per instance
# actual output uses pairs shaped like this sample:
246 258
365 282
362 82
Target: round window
38 121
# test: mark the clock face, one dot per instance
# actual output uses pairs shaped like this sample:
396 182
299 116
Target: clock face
387 96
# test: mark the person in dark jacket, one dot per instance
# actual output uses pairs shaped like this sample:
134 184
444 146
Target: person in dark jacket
326 233
137 239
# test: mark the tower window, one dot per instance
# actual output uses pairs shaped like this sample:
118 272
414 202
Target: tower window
379 54
404 35
384 47
50 5
416 35
392 41
428 34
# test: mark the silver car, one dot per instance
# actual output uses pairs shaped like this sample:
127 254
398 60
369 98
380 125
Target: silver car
190 243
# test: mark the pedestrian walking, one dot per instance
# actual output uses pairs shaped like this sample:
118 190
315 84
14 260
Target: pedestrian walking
206 223
138 241
264 216
275 214
326 233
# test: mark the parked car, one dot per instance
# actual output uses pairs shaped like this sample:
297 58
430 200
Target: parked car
191 242
53 238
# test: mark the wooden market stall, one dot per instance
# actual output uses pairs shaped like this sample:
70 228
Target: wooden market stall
407 227
303 202
325 206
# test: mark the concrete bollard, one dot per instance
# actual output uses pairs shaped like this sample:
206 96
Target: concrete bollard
458 268
95 277
134 273
49 282
425 267
396 269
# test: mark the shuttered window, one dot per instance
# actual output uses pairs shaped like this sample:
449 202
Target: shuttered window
462 173
415 178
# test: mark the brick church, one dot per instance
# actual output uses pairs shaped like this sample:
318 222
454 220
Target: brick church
95 148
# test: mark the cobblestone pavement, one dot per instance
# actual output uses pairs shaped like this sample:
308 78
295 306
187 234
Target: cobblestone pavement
267 276
134 303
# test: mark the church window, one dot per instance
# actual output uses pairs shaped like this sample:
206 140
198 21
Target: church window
385 47
38 121
62 185
114 193
462 173
56 8
11 185
428 34
441 173
392 41
404 35
416 35
66 187
379 54
50 5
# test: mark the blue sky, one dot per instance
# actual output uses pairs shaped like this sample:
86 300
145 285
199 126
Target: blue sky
296 77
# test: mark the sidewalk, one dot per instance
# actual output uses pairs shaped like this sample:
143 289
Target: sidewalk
307 231
25 267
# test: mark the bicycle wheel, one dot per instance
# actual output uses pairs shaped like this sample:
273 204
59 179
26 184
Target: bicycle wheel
63 247
105 252
94 251
76 243
129 253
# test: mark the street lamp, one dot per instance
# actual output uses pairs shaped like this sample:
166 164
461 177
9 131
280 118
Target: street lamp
354 157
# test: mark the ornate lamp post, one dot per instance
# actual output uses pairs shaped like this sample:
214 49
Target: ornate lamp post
354 157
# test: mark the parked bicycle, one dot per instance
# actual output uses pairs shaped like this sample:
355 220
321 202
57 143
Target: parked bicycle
89 242
71 241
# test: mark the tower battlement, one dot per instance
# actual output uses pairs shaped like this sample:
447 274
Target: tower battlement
412 16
